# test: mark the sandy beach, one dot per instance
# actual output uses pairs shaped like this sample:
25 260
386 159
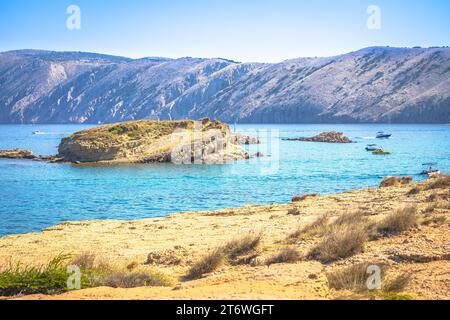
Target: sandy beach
421 252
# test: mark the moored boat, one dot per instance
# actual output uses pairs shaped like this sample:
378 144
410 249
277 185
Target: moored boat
381 152
382 135
430 171
372 147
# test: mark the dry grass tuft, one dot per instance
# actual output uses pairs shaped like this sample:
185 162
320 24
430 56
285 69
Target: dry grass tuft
394 181
430 208
439 182
286 255
344 237
350 218
353 278
340 243
303 197
398 221
294 212
237 251
136 279
242 246
443 205
432 197
207 264
317 227
167 257
91 261
414 190
435 220
397 284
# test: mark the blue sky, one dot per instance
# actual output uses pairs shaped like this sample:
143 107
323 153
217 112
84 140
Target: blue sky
245 30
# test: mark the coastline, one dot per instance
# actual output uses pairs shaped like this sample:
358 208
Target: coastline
189 235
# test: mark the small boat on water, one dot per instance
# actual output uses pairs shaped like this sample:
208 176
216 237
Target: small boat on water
430 172
381 151
372 147
382 135
37 132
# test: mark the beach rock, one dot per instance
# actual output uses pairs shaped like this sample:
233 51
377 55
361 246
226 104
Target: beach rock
328 137
17 154
245 139
395 181
28 155
147 141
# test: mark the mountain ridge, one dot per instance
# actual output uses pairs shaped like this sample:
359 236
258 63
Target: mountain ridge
371 85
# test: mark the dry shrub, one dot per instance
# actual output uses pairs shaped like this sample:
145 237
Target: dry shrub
316 227
294 212
441 181
350 218
342 242
432 197
136 279
237 251
443 205
397 284
353 278
439 197
91 261
398 221
303 197
286 255
242 246
132 265
167 257
415 190
430 208
207 264
435 220
394 181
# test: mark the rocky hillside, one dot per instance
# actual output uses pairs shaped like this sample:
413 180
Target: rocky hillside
378 84
182 142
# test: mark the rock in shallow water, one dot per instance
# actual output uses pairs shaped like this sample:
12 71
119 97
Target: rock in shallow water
329 137
17 154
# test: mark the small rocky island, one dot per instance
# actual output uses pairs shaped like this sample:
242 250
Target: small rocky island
147 141
328 137
27 155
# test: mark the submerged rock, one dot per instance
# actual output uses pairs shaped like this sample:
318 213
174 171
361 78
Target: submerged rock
185 141
328 137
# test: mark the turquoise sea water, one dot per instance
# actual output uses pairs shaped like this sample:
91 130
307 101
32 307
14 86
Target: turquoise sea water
35 195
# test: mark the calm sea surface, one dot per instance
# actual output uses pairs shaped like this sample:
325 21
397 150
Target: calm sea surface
35 195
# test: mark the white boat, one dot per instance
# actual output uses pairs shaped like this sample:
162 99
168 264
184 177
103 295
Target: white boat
430 172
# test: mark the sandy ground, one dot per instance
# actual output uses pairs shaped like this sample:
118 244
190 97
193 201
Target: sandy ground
191 235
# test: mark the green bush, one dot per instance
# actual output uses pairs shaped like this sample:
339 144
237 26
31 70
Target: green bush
17 279
51 278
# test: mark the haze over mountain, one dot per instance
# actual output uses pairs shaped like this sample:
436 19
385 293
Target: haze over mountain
377 84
